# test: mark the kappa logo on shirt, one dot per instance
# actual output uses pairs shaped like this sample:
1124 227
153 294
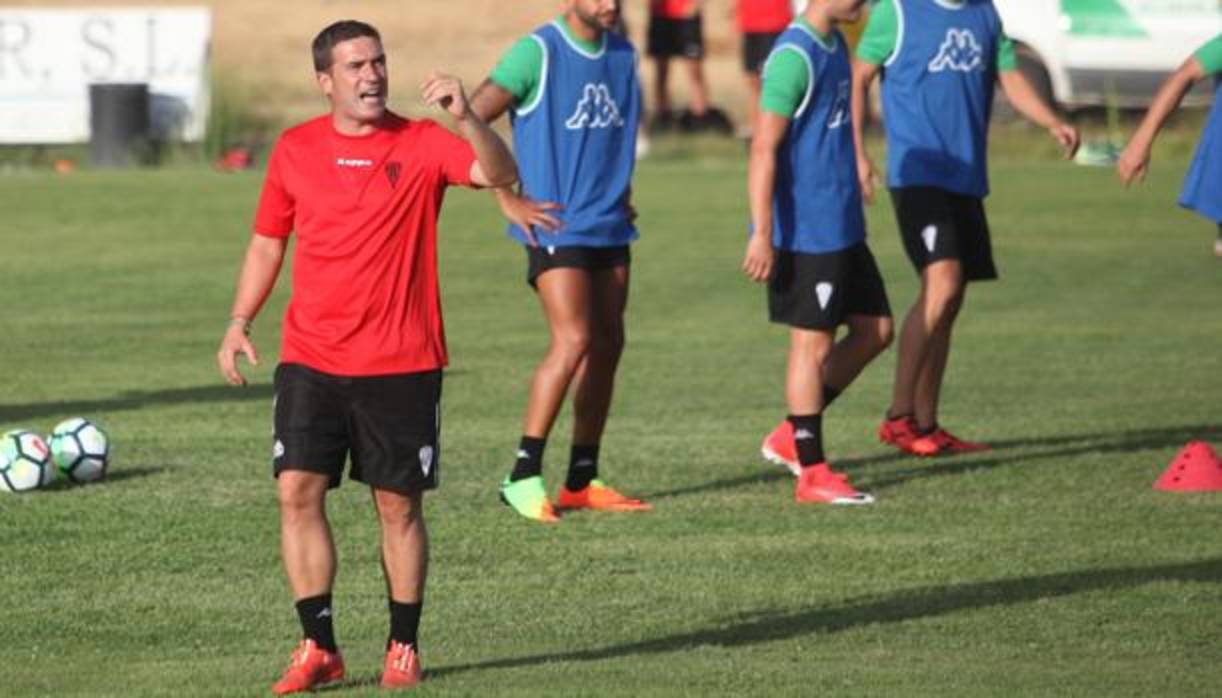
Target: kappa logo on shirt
959 52
353 162
595 110
392 173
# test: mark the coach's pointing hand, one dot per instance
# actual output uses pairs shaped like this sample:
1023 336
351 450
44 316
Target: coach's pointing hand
233 343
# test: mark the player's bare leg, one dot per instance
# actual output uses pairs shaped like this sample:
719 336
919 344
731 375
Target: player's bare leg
661 91
868 336
698 86
565 295
594 381
809 351
941 287
929 380
593 387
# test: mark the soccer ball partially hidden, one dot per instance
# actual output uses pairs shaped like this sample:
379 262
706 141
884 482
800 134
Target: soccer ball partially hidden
80 449
25 461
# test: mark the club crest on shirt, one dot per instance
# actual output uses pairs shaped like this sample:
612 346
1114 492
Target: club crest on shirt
595 110
393 169
960 51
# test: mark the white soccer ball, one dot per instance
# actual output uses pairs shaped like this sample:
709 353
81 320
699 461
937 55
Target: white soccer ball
25 461
80 449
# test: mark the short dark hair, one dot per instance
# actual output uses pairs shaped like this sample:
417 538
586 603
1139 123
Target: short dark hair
337 33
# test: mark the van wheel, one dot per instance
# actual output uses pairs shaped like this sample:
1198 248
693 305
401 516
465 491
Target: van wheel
1032 68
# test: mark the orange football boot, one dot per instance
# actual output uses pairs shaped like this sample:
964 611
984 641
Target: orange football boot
310 668
598 496
402 669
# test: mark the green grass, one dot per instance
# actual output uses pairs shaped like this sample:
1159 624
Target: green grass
1047 567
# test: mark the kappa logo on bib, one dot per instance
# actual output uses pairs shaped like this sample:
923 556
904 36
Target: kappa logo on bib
959 52
595 110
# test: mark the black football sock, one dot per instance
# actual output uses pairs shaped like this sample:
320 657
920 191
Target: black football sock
530 459
829 396
808 436
315 615
583 467
404 622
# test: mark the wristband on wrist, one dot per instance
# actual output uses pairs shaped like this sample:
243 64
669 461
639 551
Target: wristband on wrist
240 322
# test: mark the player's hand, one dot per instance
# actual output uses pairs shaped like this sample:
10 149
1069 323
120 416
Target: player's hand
233 343
1067 136
757 265
527 214
1133 164
446 91
866 177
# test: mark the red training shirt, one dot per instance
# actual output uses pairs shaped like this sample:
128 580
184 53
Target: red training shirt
365 299
764 16
672 9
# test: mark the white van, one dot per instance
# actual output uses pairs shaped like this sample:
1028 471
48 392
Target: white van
1096 52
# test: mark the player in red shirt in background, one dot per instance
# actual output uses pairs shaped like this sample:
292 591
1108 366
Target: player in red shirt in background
760 22
363 345
676 30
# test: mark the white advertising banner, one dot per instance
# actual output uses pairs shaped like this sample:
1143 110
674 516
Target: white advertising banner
48 59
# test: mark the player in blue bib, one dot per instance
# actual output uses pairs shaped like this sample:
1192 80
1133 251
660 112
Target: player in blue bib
1203 184
808 240
576 105
939 61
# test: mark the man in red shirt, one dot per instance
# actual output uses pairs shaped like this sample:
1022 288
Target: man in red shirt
363 345
760 22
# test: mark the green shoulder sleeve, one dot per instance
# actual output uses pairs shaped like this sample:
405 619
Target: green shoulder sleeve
881 34
1210 56
520 70
1006 58
786 79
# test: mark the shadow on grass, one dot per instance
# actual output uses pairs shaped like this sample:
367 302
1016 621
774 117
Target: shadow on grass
137 399
140 399
1049 447
114 475
913 604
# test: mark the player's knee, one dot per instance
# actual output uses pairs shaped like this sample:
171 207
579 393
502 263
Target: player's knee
883 334
398 511
572 346
299 497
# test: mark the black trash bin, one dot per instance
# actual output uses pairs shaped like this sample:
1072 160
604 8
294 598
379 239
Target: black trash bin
119 128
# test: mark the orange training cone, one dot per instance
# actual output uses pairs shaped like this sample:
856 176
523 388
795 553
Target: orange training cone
1196 468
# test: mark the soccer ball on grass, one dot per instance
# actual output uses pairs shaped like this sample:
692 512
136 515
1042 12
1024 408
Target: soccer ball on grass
25 461
80 449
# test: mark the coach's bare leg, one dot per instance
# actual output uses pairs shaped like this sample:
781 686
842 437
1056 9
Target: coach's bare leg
941 294
594 382
405 543
565 295
868 336
808 354
306 544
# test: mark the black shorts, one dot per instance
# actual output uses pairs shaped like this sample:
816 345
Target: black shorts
676 37
542 258
936 224
820 291
756 47
389 426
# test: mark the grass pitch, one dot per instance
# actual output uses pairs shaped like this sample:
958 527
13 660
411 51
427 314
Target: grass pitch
1045 567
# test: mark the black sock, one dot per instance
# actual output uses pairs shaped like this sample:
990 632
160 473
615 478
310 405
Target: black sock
808 436
829 396
530 459
583 467
315 615
404 622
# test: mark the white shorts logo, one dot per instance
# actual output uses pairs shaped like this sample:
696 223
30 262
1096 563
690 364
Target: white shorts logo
278 449
595 110
930 236
426 459
959 52
824 291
